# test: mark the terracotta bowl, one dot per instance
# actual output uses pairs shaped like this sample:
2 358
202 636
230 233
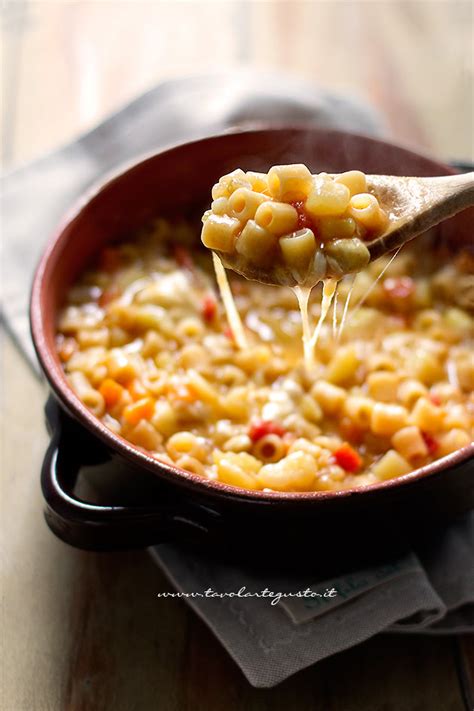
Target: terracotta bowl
170 503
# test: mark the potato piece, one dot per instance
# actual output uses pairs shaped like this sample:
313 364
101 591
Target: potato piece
426 367
452 441
343 365
387 419
427 416
383 385
391 465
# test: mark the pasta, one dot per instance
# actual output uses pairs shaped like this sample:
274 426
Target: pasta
318 223
290 227
145 345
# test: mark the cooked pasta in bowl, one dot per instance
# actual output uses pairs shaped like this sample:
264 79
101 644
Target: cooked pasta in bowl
146 346
141 350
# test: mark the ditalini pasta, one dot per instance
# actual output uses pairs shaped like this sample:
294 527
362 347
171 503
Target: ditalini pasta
289 227
146 346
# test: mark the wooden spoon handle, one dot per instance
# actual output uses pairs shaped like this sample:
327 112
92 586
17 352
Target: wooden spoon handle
452 195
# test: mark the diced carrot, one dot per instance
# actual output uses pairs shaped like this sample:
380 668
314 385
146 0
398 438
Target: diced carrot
66 348
435 400
347 458
185 393
110 259
113 292
430 442
181 392
260 428
140 410
137 390
209 308
111 391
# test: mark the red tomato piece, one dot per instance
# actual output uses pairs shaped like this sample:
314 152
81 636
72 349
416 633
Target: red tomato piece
304 220
260 428
209 308
347 458
430 442
399 287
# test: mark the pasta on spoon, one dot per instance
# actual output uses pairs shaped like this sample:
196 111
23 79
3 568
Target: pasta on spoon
290 228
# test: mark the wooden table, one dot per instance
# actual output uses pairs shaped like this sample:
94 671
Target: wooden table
83 631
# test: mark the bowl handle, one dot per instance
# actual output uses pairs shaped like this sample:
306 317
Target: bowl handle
98 527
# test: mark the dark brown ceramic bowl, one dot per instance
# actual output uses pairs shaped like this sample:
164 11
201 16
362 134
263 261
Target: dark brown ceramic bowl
180 505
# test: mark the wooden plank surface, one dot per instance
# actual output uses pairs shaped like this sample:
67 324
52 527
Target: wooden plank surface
83 631
65 65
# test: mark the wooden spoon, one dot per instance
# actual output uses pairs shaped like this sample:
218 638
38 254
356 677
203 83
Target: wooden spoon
413 205
416 204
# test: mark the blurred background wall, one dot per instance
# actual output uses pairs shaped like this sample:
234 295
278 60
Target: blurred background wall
68 64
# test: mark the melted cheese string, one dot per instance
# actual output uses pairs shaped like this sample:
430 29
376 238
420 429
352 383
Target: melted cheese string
334 316
329 289
346 307
373 285
233 317
303 294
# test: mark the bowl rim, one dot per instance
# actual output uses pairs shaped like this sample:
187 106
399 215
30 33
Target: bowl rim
172 474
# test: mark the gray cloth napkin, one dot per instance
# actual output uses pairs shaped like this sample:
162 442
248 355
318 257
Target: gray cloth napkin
430 590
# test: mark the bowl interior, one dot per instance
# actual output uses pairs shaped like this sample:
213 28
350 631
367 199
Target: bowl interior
177 182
